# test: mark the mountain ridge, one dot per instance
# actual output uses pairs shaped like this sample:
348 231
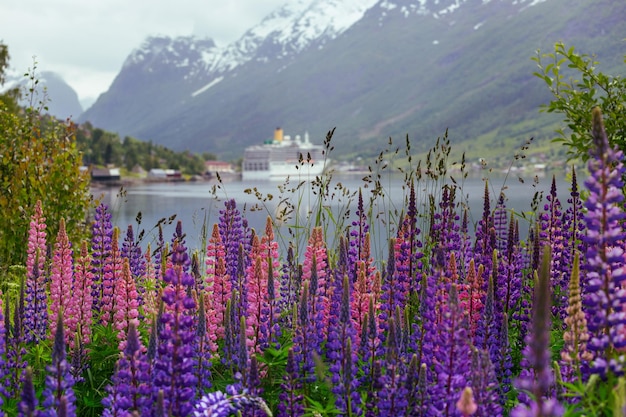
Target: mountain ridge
401 68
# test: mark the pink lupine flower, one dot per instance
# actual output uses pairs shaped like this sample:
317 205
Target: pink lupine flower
112 275
218 286
257 300
471 294
61 278
126 304
82 299
315 259
36 307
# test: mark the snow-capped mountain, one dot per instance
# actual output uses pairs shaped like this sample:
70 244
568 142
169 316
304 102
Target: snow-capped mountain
372 68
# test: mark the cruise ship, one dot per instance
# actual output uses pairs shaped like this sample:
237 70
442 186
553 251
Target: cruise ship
283 157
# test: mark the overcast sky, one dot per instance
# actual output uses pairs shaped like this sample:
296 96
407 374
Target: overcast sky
87 41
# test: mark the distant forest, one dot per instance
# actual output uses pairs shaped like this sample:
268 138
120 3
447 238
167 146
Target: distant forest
102 148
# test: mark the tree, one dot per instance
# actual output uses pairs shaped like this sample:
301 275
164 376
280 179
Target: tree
578 87
39 160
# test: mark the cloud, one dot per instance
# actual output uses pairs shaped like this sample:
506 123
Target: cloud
86 42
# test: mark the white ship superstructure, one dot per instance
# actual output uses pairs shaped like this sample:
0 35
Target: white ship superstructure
283 157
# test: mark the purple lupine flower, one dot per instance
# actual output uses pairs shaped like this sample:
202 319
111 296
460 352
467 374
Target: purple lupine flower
232 233
553 234
490 324
422 339
393 291
59 380
130 389
131 250
14 345
485 385
485 235
371 405
36 307
174 366
102 235
451 360
289 285
392 399
306 339
290 398
368 345
343 360
27 407
573 221
357 234
234 400
537 378
500 224
604 296
202 349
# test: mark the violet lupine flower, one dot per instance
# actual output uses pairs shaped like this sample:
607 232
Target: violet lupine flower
290 398
232 234
393 291
484 385
102 236
271 312
202 348
392 397
80 313
61 278
306 339
452 358
485 235
500 224
422 339
357 251
235 400
488 333
445 228
553 234
131 250
14 345
130 390
537 378
126 304
573 221
343 360
27 407
289 285
112 274
231 333
605 236
59 380
36 306
174 367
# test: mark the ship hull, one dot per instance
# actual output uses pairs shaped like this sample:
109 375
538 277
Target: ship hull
280 171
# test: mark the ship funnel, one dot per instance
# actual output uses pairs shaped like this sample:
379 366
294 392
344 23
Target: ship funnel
278 135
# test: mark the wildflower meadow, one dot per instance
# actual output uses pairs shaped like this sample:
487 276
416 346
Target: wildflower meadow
454 319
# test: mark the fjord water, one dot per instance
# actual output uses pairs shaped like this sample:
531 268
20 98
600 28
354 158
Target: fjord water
197 204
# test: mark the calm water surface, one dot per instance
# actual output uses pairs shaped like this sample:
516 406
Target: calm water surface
197 204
